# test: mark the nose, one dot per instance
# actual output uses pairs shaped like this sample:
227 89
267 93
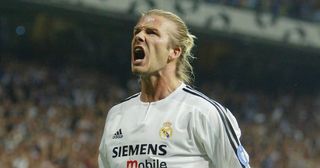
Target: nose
139 37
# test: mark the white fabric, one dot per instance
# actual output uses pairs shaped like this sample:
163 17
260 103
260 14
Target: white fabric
194 134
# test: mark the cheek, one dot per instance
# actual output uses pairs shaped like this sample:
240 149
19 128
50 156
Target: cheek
162 45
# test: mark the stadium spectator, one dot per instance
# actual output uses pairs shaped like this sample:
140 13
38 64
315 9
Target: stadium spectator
42 125
307 10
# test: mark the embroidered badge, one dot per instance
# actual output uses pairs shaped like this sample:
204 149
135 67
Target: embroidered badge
166 130
243 156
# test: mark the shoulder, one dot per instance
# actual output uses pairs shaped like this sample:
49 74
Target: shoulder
131 97
213 112
201 101
205 108
124 103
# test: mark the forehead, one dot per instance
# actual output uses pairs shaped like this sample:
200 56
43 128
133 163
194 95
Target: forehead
155 21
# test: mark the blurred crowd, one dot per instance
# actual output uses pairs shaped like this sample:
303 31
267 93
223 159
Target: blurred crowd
280 130
308 10
54 117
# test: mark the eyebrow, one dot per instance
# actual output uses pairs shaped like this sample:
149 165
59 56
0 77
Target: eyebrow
137 28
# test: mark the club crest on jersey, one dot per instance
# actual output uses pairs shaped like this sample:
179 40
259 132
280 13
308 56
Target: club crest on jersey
166 130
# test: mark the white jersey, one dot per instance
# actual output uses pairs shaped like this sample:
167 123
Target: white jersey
185 129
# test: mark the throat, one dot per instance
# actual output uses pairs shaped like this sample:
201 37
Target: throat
151 92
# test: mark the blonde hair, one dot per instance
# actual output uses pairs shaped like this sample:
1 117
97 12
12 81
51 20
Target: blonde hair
181 38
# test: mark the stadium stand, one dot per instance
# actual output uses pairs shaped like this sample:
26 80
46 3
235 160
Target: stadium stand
308 10
60 72
53 118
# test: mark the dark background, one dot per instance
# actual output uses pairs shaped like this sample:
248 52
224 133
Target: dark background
63 68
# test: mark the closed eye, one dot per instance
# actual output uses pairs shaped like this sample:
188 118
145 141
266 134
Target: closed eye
136 31
149 31
152 31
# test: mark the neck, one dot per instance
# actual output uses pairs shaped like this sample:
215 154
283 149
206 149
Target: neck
154 88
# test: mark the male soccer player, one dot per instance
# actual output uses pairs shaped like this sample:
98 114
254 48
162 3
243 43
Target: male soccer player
168 124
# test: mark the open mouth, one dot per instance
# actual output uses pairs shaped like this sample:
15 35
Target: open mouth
138 53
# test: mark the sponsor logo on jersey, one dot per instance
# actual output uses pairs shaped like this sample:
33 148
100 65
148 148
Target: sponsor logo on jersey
139 149
118 134
154 163
166 130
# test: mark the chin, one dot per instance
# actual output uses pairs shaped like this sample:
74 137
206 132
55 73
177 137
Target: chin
136 71
141 73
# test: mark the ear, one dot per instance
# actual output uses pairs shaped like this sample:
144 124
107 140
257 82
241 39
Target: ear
174 53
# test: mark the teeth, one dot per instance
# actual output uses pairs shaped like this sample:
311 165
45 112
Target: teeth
138 49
